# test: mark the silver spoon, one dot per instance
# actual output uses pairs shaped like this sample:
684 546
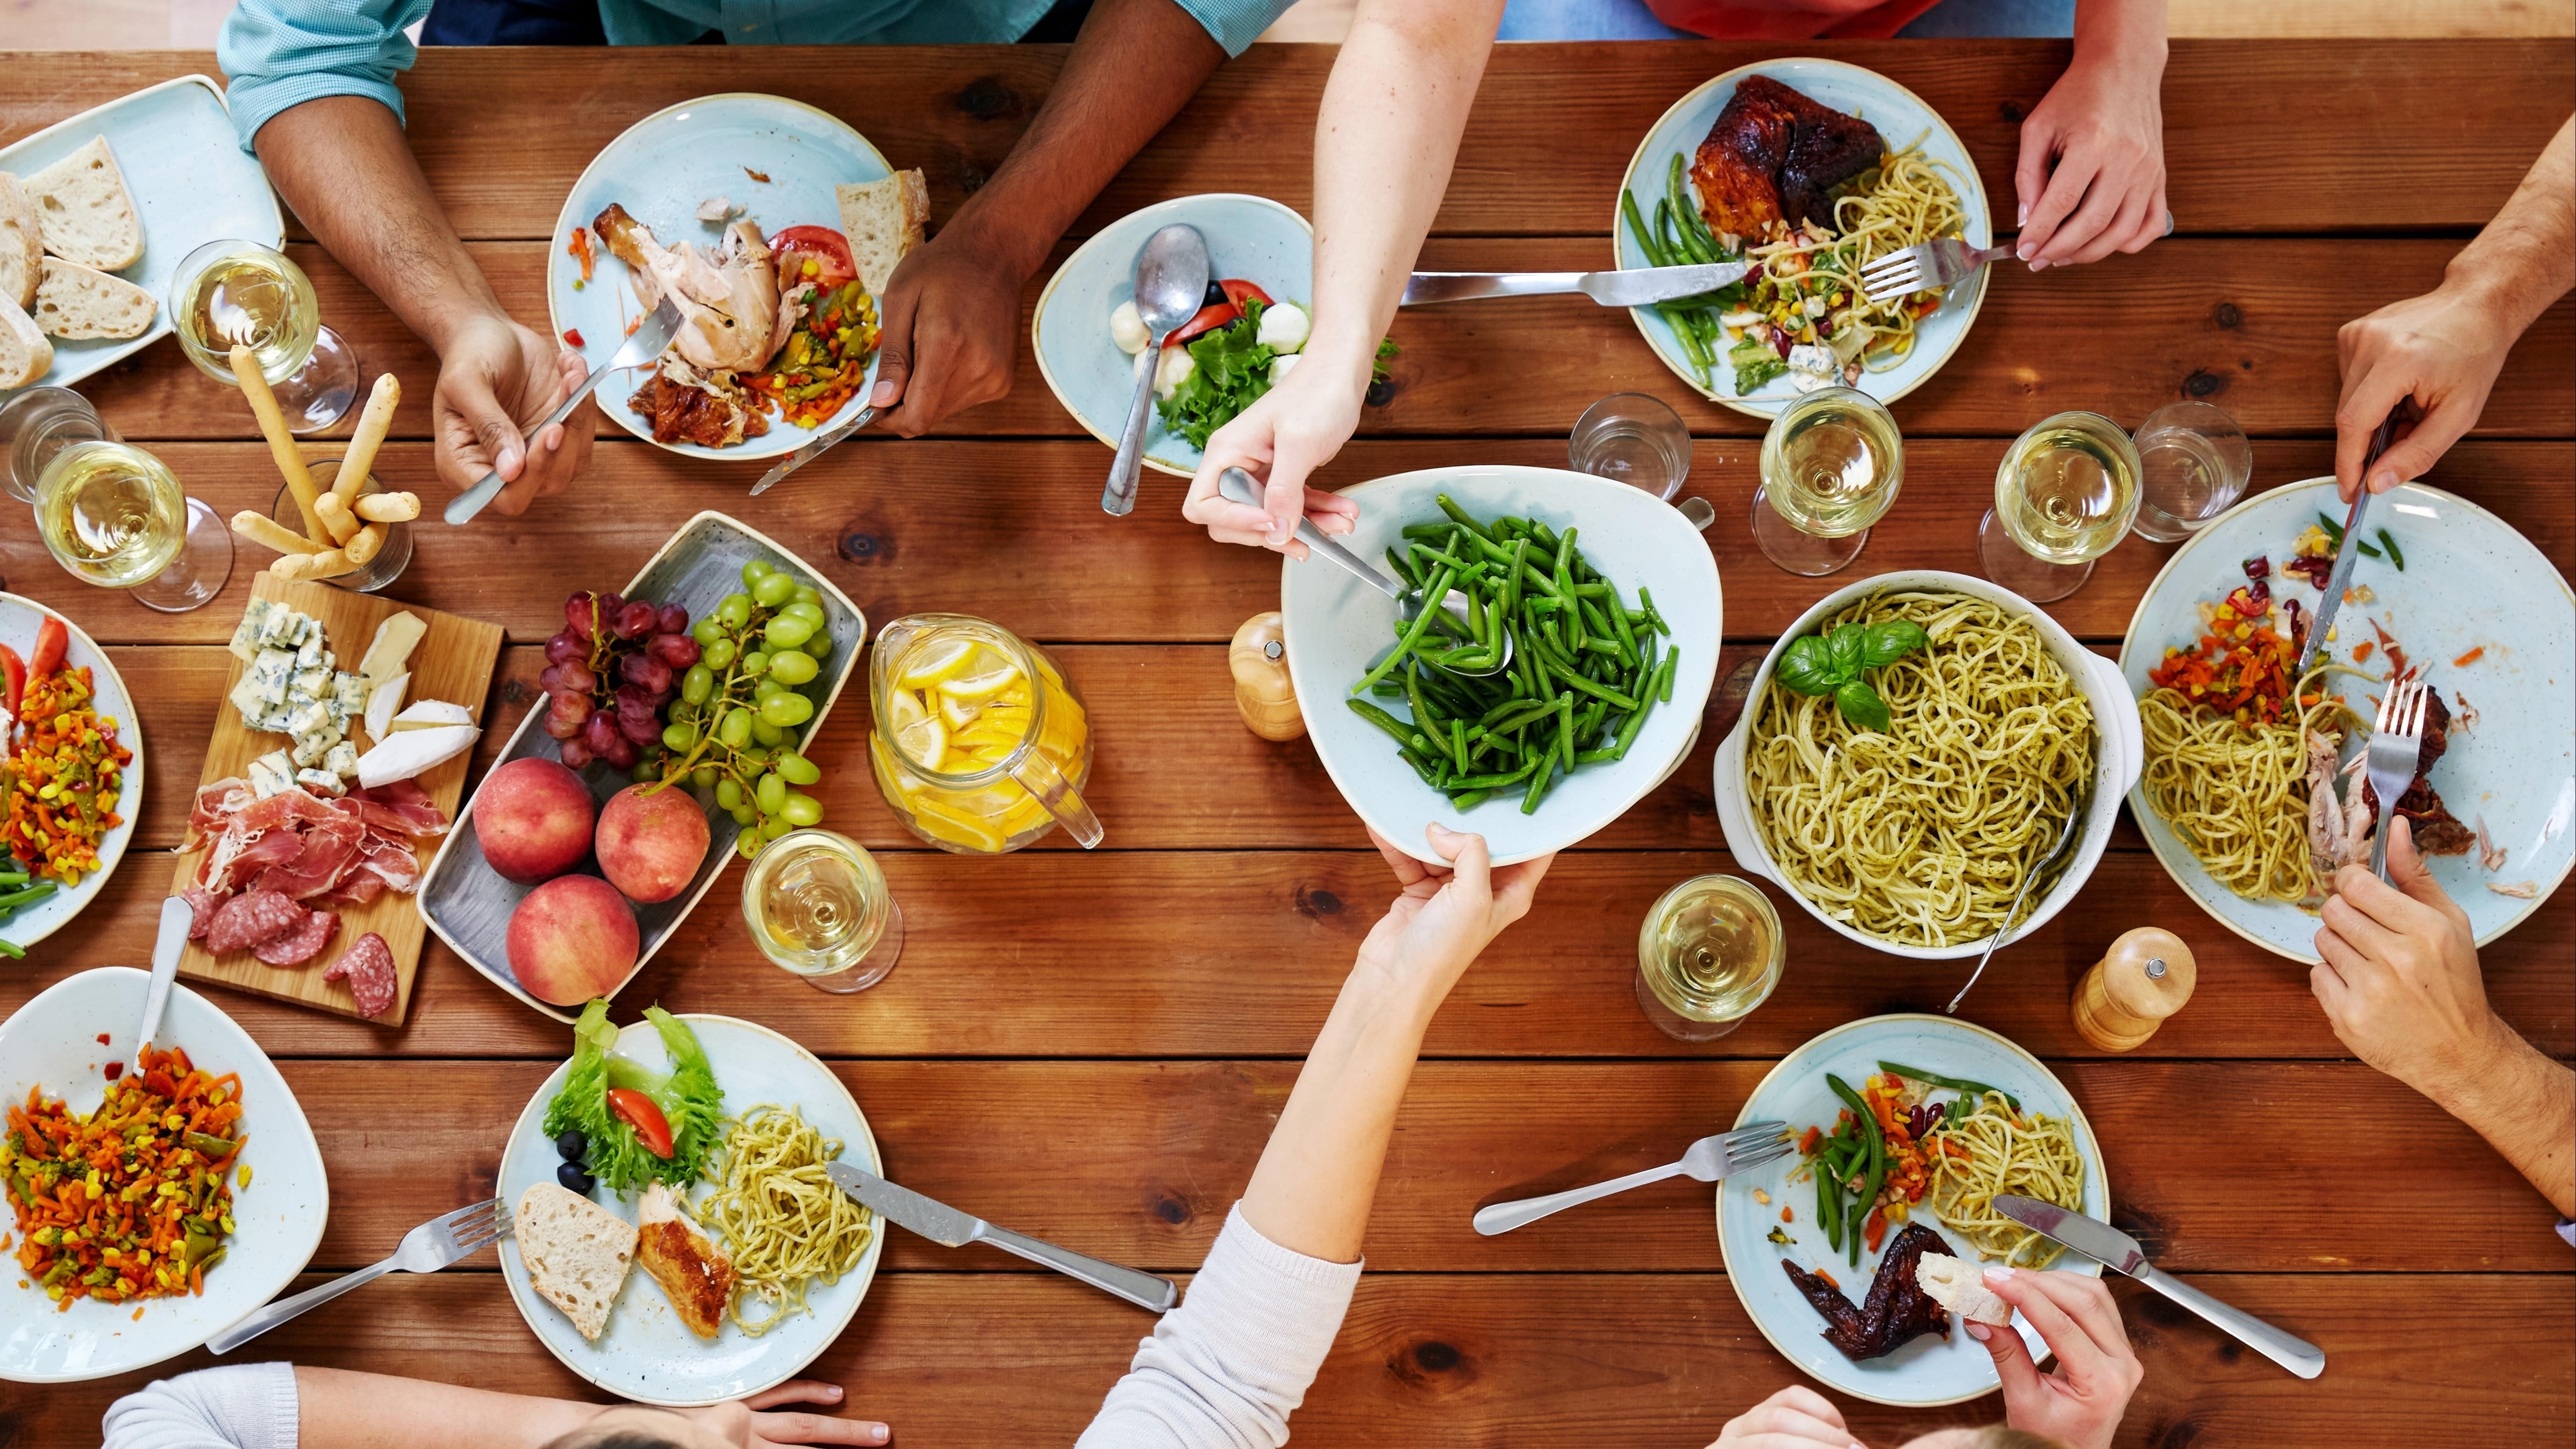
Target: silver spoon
1171 284
1238 487
167 948
2067 835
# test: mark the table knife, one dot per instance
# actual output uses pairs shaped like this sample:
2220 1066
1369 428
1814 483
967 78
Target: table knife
822 443
1632 288
2345 556
2119 1252
950 1228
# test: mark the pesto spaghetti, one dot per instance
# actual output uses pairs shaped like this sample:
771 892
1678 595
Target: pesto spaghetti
1996 1150
783 1217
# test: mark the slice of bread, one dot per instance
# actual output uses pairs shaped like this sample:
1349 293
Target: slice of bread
75 301
576 1252
883 220
25 352
1960 1286
22 242
87 215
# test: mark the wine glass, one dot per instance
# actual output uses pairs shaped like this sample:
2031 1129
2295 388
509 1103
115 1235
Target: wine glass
2065 494
111 514
234 291
1831 467
817 906
2194 463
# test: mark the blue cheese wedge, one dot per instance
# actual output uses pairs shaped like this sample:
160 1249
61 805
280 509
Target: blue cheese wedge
349 694
314 746
309 716
245 645
342 760
321 782
271 774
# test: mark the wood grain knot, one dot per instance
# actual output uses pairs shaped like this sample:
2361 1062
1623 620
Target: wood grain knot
1435 1357
1171 1209
2181 1433
2010 111
860 548
515 692
1381 391
971 177
2204 383
987 99
2226 315
1318 903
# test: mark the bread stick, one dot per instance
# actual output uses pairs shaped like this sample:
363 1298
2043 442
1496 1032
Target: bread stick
292 566
330 563
259 530
336 517
361 549
388 507
373 424
281 443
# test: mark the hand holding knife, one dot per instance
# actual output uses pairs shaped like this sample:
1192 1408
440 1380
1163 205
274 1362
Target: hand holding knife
2350 551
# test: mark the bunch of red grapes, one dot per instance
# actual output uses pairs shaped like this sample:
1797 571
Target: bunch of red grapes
608 675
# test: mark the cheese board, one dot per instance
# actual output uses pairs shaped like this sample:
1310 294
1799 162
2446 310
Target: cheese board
296 757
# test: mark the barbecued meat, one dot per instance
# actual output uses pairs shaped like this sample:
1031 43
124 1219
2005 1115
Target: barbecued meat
2436 830
1897 1312
1772 156
683 413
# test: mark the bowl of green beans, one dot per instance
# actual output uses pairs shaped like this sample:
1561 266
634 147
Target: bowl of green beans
1610 602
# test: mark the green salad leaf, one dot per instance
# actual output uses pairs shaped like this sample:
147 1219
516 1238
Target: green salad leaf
1233 372
1756 362
688 1096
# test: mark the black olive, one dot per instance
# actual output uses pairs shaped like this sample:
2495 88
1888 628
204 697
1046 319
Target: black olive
573 1178
1215 296
571 1145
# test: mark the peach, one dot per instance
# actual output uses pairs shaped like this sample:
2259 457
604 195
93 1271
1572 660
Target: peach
573 938
533 819
650 845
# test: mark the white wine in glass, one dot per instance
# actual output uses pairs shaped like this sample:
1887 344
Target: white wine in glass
2065 494
110 513
817 906
235 292
1831 467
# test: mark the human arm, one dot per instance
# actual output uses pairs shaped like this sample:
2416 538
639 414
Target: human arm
2091 178
1796 1417
2079 1402
1385 139
951 321
2445 348
2400 986
341 162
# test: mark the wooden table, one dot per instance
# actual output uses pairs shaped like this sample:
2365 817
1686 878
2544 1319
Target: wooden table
1093 1047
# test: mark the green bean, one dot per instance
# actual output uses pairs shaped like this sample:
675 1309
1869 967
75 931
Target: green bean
1646 597
1827 1212
1637 228
1539 783
1877 1156
1403 569
1412 636
2395 556
1565 728
1469 800
1974 1091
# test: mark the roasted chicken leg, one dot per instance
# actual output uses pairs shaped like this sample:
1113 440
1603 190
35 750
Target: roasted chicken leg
1773 155
728 301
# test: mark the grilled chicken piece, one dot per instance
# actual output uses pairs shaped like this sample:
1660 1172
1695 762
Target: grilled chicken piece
728 300
693 1271
2326 850
1772 156
1897 1312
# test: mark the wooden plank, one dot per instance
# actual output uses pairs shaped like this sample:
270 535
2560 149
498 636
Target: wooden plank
452 662
2409 18
2246 323
906 526
2290 135
1047 953
1605 1360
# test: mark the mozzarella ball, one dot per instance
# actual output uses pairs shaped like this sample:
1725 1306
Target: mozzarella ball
1176 368
1279 367
1283 328
1127 329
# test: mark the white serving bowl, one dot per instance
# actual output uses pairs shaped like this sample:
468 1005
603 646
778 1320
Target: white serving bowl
1335 626
2119 752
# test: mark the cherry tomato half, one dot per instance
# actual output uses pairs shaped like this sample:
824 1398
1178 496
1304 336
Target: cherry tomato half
644 1115
826 249
1237 289
51 639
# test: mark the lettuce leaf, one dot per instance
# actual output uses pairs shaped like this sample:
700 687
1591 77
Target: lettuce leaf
1233 372
1756 362
688 1096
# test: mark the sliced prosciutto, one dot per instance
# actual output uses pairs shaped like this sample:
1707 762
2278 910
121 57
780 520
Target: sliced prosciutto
296 850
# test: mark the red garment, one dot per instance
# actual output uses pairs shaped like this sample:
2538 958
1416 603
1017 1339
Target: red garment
1790 19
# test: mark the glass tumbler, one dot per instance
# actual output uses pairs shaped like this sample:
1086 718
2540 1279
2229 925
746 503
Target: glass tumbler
2193 464
1632 438
110 513
390 558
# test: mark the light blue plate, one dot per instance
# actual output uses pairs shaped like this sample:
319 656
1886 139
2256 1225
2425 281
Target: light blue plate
1929 1370
659 169
1251 237
1901 117
2471 582
190 179
19 618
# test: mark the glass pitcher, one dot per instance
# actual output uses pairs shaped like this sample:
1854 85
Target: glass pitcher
980 745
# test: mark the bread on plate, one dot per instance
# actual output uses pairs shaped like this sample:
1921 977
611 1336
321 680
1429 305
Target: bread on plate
87 214
1960 1286
76 301
26 353
576 1253
883 220
22 242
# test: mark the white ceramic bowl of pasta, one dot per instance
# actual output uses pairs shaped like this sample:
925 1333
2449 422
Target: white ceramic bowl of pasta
2118 754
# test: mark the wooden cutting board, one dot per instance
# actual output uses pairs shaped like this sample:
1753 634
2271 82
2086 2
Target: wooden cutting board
453 662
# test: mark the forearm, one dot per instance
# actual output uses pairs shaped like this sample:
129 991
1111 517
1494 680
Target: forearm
372 1411
341 162
1136 64
2524 1104
1312 1190
2120 32
1385 138
2525 259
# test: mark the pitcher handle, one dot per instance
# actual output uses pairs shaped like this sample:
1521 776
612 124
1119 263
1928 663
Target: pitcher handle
1047 785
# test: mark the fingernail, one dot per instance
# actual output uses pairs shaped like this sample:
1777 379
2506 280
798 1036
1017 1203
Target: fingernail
2039 266
554 440
1998 1274
2021 217
2023 250
1978 1331
507 463
883 396
831 1391
876 1433
2383 480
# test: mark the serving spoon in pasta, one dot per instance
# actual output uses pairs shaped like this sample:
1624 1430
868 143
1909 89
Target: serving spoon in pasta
2076 811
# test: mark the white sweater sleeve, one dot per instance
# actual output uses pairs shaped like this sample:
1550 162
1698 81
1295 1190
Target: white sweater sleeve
1224 1370
238 1406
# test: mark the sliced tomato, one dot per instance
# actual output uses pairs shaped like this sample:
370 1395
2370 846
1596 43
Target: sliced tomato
826 251
1208 320
14 669
644 1115
51 639
1237 289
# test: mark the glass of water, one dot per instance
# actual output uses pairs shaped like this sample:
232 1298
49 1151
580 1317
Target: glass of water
2194 463
1634 438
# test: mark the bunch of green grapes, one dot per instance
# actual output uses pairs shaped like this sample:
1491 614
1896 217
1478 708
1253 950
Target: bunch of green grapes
732 729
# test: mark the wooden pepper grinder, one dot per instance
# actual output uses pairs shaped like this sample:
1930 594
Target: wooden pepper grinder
2145 977
1262 691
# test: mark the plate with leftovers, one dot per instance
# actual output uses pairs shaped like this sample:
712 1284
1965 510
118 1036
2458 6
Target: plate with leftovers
1248 334
776 227
1854 1254
1812 168
1579 727
203 1129
1911 748
2251 794
71 771
96 213
674 1238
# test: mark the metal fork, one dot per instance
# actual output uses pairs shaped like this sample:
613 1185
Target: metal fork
441 1242
1925 267
2396 743
1708 1159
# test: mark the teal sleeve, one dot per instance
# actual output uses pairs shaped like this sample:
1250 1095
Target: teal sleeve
1234 24
278 54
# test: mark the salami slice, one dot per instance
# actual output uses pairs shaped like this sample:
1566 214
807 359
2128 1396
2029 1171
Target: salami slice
250 919
368 967
204 902
299 946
